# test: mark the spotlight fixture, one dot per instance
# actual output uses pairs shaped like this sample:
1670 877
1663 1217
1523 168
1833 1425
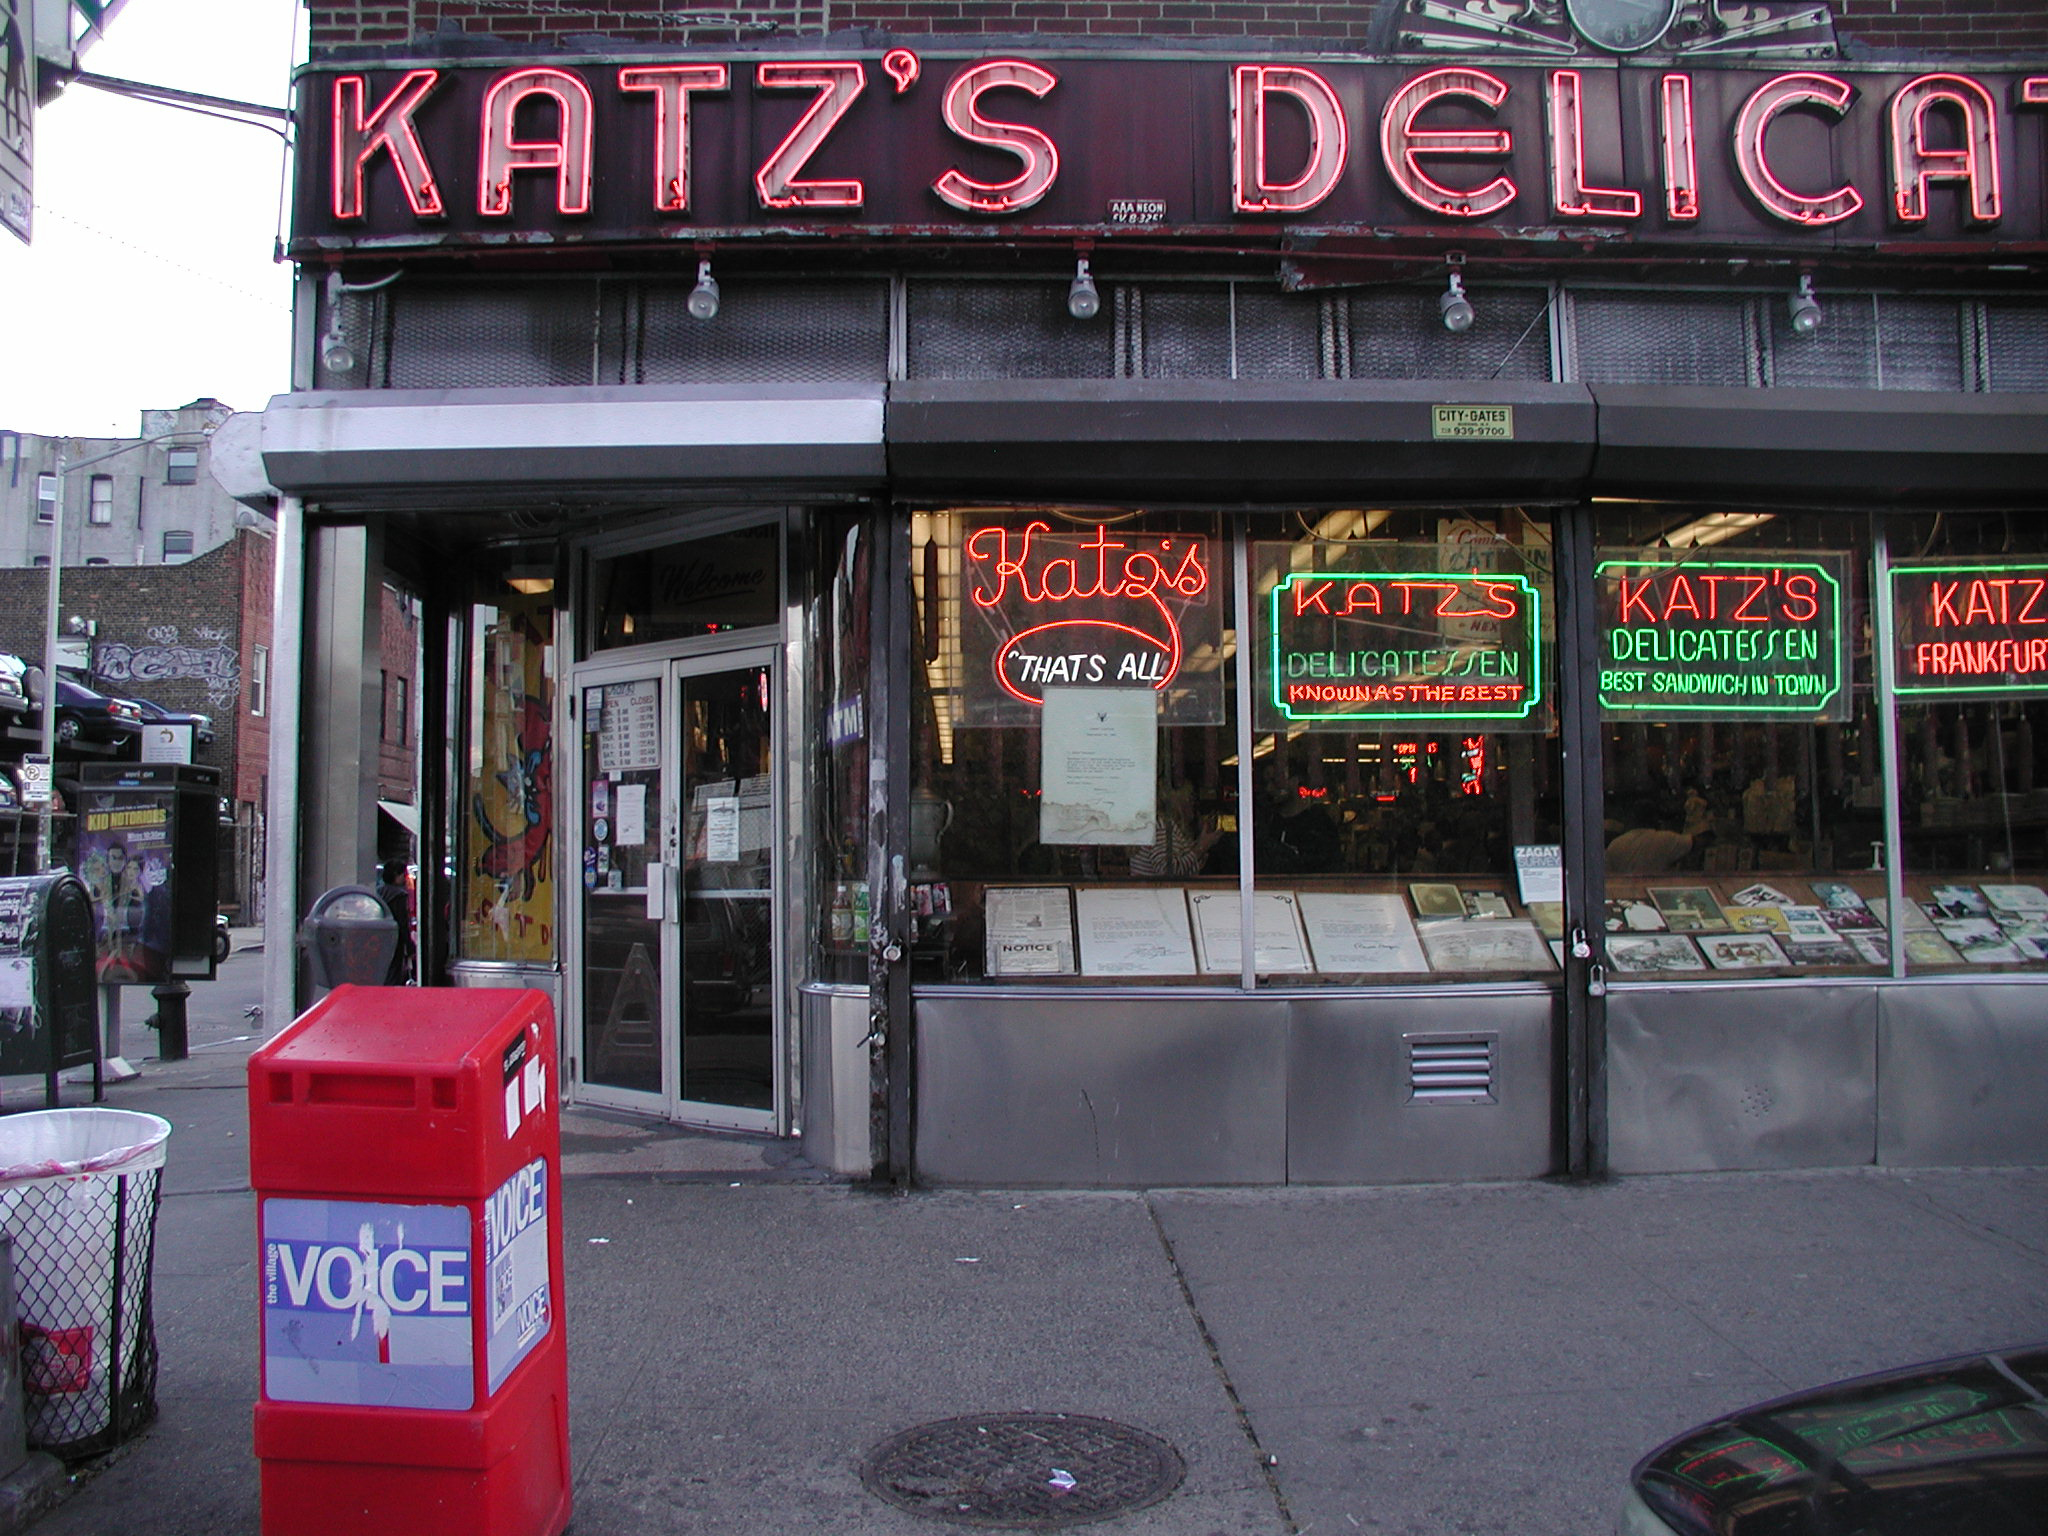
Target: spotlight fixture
1804 307
1083 302
703 300
336 355
1457 309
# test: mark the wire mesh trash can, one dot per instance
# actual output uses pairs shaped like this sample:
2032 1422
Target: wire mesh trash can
78 1191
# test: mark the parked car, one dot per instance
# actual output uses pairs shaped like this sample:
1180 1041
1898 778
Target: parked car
221 943
1951 1448
86 714
154 713
14 702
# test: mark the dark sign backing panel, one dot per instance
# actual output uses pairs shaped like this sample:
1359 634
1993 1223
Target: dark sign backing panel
1380 636
1701 637
972 146
1971 630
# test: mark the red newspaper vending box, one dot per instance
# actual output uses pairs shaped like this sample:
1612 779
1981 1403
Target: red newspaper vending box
405 1150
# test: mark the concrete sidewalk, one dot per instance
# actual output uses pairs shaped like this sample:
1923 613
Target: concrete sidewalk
1428 1361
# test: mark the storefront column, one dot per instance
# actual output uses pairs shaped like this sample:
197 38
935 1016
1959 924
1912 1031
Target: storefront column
281 815
889 772
1583 1071
342 703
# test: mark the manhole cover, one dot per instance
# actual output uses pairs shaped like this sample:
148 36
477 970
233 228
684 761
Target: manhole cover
1023 1471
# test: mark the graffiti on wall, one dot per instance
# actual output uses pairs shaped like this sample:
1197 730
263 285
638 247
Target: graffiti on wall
209 657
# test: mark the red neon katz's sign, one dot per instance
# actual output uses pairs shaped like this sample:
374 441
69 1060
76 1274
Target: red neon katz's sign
1098 609
1970 629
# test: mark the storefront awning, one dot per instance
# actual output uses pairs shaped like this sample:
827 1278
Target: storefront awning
332 444
405 814
1820 444
1230 440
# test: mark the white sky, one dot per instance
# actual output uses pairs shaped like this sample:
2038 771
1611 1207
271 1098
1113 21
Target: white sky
150 280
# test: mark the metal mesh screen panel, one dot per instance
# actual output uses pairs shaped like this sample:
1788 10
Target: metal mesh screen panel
1841 353
1186 332
84 1252
1401 335
2017 341
494 338
1277 336
1920 343
960 330
1663 338
791 333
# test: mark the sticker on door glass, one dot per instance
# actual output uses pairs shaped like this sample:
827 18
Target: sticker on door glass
516 1267
367 1304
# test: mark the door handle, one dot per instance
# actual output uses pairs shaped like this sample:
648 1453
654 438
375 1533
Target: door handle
657 890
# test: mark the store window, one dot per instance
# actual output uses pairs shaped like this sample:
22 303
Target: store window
1744 780
504 885
1079 812
1969 596
702 586
843 557
100 505
1405 807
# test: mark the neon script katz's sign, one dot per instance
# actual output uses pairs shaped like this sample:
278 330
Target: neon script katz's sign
1095 609
1971 629
1698 638
580 152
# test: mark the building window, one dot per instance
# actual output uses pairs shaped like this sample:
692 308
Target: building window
177 545
98 560
42 560
181 466
100 509
259 679
383 706
401 697
46 498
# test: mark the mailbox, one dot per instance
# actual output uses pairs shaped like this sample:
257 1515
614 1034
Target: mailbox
405 1150
49 1012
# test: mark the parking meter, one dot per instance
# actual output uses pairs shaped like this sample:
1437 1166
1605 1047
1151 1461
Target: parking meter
349 937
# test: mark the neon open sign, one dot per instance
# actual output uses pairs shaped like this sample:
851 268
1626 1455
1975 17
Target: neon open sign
1350 648
1698 638
1970 630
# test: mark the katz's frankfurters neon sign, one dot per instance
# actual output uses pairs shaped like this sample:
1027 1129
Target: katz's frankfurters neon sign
1351 649
1098 608
1970 630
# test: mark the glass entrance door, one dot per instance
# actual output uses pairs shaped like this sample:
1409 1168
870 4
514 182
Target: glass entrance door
679 968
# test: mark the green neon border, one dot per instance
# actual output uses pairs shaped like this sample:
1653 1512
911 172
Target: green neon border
1967 690
1803 709
1532 627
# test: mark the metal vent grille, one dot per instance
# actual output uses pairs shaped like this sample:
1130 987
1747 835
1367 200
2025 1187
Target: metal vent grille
1451 1069
1277 336
792 333
1665 338
2016 344
1185 331
1869 341
1401 335
496 338
960 330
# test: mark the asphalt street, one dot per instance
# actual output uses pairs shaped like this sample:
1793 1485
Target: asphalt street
1439 1360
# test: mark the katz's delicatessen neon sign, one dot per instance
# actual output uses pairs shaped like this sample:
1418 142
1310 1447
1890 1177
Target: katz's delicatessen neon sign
1970 630
432 154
